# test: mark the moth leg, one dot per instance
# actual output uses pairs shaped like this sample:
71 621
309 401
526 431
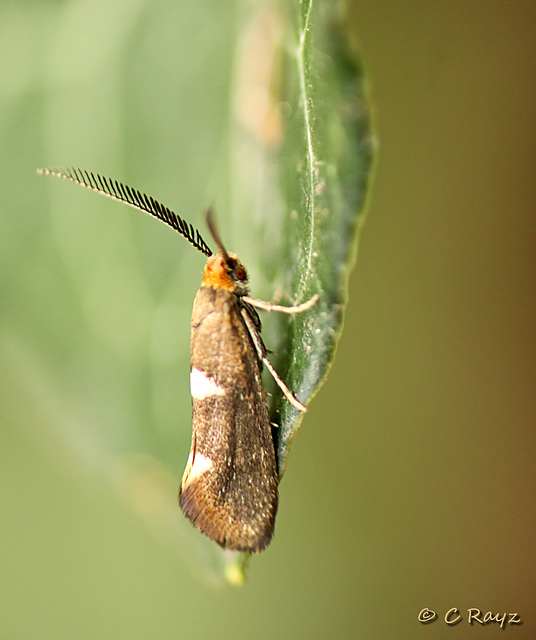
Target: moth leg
270 306
261 352
286 391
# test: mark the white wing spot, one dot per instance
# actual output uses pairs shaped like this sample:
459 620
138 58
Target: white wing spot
200 464
201 386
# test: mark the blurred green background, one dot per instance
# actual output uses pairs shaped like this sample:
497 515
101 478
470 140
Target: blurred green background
411 483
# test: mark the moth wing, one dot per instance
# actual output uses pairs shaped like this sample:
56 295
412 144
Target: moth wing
229 487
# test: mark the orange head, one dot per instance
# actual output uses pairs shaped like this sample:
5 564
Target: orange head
226 272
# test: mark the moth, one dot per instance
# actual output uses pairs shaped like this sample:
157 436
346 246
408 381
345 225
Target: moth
229 489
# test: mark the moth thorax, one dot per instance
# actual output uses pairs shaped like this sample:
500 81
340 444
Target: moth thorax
226 272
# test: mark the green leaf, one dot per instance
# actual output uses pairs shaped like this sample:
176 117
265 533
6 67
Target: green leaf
326 161
312 208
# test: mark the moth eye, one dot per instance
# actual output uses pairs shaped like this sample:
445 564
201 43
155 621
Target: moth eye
240 273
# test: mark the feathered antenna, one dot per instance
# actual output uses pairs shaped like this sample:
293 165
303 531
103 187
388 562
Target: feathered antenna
134 198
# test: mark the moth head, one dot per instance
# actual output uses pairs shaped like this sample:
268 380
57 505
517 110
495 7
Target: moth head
226 272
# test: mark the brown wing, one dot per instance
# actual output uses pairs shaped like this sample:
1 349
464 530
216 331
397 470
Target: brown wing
229 487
